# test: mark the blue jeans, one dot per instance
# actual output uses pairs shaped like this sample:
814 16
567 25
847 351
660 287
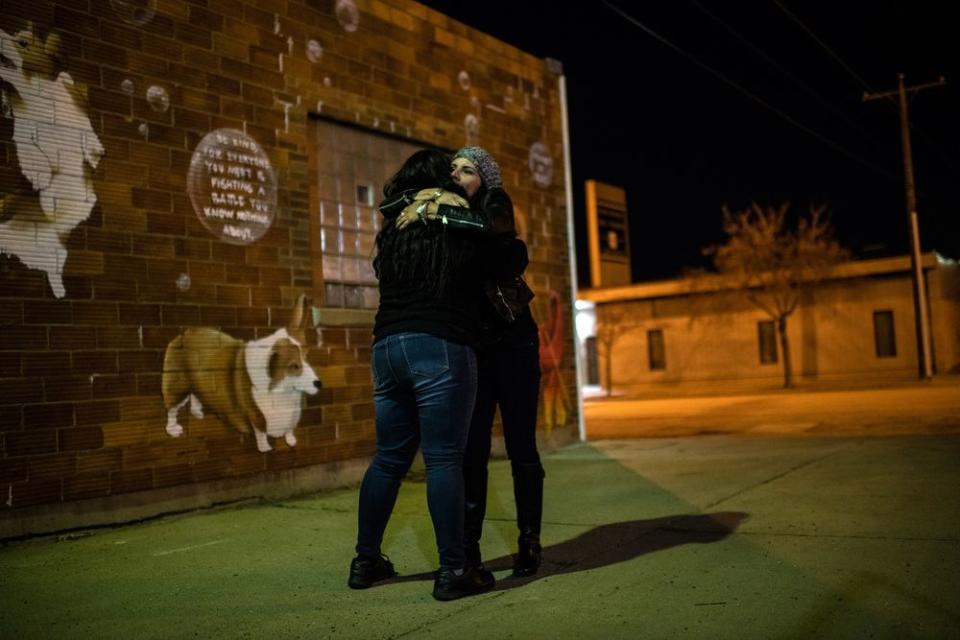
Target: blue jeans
424 390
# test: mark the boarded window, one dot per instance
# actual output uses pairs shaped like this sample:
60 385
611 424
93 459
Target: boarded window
883 335
655 349
350 166
767 339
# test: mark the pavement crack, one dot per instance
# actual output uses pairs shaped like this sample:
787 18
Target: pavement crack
470 604
796 467
306 507
835 536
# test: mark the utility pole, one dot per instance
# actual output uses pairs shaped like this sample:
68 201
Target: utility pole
920 308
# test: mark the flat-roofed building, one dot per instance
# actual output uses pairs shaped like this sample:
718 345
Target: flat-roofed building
857 323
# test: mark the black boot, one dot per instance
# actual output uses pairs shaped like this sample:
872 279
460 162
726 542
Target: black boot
528 554
475 509
528 493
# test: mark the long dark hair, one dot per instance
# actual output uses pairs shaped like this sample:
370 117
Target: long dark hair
423 169
423 255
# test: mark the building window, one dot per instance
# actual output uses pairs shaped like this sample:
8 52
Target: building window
883 336
655 350
365 194
349 168
593 369
767 336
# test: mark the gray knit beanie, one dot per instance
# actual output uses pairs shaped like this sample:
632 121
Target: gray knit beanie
487 167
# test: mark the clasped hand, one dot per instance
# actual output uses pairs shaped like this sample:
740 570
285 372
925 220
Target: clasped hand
430 200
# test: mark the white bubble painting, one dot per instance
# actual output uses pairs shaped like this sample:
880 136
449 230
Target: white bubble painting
541 164
472 126
314 51
232 186
135 12
347 15
158 99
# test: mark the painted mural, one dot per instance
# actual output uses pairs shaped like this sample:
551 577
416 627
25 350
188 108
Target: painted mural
57 151
232 186
254 386
142 294
540 163
554 401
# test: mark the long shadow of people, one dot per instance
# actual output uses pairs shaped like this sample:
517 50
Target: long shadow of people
617 542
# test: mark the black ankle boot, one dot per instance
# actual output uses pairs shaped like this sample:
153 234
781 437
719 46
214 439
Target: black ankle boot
528 493
529 554
475 562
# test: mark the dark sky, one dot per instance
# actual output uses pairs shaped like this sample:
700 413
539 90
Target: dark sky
683 143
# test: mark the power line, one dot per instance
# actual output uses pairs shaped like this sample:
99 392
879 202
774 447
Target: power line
827 141
889 99
863 83
789 74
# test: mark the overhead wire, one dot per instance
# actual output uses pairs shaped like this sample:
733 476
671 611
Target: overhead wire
823 45
799 125
949 161
789 74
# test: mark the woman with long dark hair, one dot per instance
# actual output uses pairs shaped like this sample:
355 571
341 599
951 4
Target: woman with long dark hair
508 362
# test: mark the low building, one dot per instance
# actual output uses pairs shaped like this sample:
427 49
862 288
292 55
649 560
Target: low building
857 323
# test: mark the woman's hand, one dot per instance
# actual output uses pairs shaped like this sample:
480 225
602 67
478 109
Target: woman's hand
417 212
453 200
441 196
425 206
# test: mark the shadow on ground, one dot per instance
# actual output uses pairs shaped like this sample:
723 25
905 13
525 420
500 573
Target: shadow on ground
613 543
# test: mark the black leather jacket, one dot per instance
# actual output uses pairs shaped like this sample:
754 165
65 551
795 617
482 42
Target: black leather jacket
458 218
493 219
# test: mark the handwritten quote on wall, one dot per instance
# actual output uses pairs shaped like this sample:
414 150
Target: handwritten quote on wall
232 186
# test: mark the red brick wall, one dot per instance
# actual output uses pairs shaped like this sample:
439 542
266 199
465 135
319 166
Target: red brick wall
81 414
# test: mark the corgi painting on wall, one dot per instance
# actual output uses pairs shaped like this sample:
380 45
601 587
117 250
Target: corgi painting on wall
57 150
253 386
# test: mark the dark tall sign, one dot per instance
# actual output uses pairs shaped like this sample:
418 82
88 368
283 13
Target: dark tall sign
608 235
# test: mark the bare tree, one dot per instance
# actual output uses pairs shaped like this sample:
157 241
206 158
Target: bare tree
613 321
774 264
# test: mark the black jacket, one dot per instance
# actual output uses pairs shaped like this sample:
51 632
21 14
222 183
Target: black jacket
461 313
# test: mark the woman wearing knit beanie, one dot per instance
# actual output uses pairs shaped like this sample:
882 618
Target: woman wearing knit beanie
508 374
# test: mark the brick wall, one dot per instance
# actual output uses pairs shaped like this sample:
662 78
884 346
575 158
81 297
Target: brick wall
81 412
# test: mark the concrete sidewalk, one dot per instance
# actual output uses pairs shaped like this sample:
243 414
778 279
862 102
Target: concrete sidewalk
711 537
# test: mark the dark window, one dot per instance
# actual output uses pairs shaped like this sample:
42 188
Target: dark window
593 370
658 356
365 194
883 336
767 336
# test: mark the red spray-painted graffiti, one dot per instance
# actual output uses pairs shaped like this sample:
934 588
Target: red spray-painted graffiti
554 400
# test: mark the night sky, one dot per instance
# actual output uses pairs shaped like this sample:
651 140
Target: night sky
683 142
